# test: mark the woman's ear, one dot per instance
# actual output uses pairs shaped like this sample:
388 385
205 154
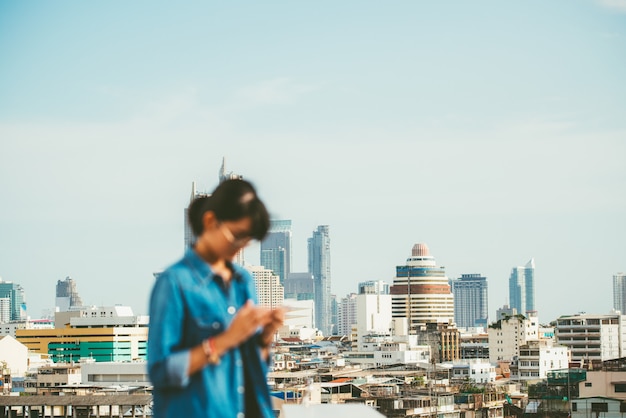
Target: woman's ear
209 221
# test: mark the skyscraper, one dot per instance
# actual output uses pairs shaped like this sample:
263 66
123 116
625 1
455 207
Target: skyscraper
619 292
13 294
276 249
470 300
421 292
222 175
319 267
347 314
522 288
67 297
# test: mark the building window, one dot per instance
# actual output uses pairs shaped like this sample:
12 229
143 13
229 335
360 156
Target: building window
587 384
574 407
620 387
599 407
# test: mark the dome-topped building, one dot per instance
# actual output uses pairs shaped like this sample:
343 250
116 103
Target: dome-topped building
420 256
421 291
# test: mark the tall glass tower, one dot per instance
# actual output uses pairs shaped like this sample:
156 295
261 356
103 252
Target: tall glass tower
619 292
470 300
319 267
13 300
276 249
522 287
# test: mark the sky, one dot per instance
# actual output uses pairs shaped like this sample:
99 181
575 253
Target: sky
494 132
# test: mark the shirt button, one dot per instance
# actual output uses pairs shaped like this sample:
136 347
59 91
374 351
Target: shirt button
216 325
232 310
240 389
239 363
240 415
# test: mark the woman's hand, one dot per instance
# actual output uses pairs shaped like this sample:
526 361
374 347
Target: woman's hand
246 322
276 319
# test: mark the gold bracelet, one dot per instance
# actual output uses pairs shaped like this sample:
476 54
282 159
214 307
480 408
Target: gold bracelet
208 346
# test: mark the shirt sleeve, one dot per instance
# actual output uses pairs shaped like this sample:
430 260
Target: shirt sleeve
168 366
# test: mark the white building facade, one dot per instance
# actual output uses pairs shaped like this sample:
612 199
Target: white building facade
269 291
507 335
593 337
537 358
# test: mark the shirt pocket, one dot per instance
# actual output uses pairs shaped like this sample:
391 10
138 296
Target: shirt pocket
204 316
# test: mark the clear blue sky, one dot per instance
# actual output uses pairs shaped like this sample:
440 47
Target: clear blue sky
491 131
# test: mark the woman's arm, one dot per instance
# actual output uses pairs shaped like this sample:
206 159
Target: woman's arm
167 363
248 319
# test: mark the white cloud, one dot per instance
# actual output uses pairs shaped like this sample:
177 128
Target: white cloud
619 5
282 90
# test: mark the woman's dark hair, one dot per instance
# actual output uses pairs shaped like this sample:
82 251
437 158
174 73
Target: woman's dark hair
232 200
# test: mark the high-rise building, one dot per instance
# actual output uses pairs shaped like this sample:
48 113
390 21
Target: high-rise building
269 291
374 287
346 316
373 314
319 267
619 292
189 236
276 249
421 292
16 301
300 286
522 288
67 297
5 310
470 301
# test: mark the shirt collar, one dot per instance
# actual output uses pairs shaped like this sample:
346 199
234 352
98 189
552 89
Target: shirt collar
204 270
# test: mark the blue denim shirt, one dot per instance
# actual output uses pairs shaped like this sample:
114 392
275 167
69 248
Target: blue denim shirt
189 304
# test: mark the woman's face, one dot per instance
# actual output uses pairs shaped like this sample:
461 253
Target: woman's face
226 238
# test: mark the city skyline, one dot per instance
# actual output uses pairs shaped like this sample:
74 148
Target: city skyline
494 132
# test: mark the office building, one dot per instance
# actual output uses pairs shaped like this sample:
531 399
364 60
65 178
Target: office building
102 334
12 295
269 291
190 238
374 287
470 301
319 267
300 286
421 292
619 292
67 297
593 338
5 310
276 249
373 314
346 314
522 288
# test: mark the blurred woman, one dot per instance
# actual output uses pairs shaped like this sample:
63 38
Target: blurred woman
208 341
